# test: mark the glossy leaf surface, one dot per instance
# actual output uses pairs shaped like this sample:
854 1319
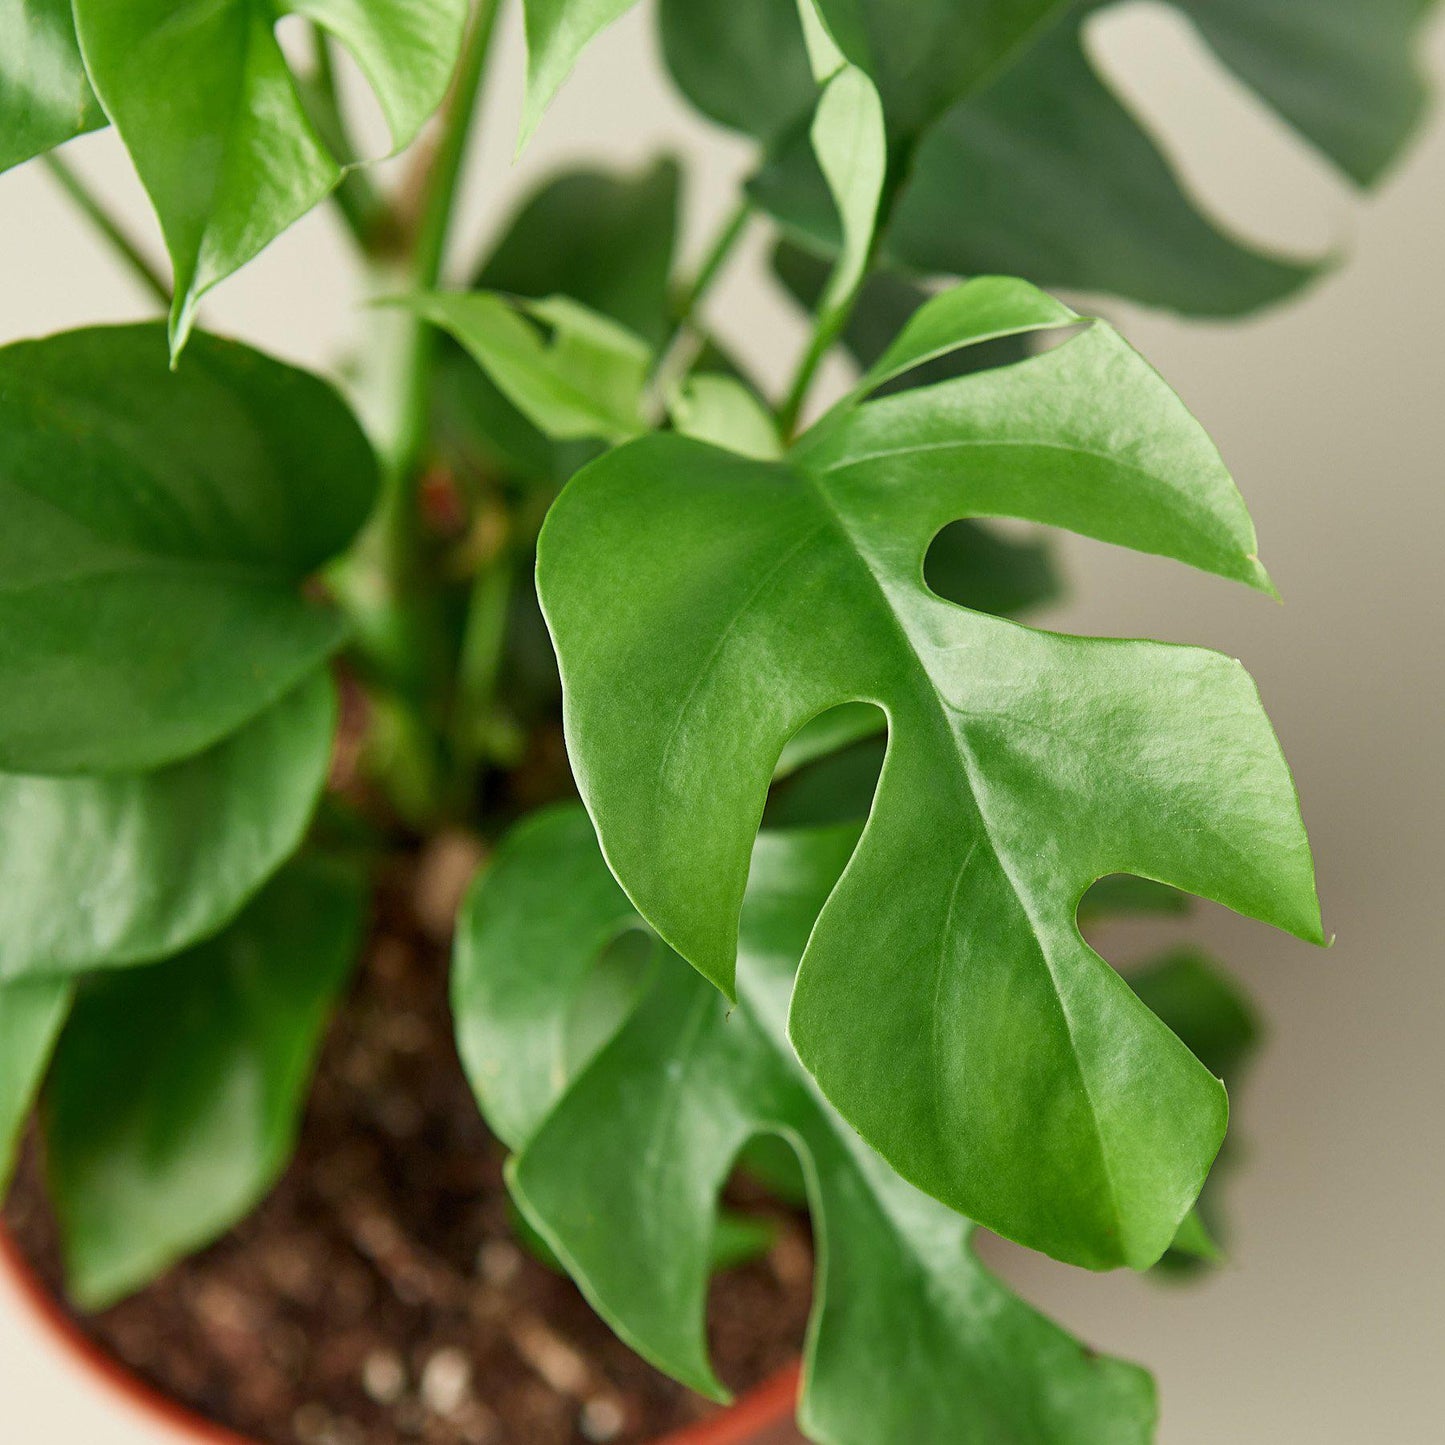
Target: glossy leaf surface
207 108
31 1013
1216 1020
120 869
155 528
705 607
45 98
569 370
912 1339
176 1090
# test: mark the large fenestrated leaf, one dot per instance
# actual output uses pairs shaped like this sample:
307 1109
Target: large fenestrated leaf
705 606
120 869
45 98
155 529
176 1091
31 1013
1065 187
1038 169
623 1154
203 99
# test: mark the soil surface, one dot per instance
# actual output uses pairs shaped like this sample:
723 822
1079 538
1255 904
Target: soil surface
379 1295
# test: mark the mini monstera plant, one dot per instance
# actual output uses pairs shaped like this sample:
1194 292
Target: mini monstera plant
850 811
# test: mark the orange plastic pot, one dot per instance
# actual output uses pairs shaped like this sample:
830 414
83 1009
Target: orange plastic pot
762 1417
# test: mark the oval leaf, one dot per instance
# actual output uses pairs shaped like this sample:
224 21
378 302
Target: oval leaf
114 870
156 530
176 1090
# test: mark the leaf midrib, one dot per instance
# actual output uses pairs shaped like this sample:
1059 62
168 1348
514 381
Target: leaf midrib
947 711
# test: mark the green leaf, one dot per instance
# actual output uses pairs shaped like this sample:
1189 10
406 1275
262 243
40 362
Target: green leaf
156 530
45 98
726 412
584 379
558 31
516 1035
1346 74
742 63
605 239
112 870
852 149
176 1091
1216 1020
202 97
31 1013
704 607
911 1338
1072 194
925 54
1026 162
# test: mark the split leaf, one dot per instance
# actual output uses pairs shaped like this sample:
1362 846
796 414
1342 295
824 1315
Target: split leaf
911 1339
1022 159
156 530
705 606
177 1089
121 869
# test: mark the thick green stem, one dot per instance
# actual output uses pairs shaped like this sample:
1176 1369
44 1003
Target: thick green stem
390 587
433 230
99 217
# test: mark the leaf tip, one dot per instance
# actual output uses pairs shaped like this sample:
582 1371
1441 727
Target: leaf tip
1257 577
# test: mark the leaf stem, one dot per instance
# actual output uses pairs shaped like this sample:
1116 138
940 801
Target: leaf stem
121 242
819 345
389 589
717 256
675 358
434 227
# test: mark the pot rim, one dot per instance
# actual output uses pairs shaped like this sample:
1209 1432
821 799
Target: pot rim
770 1403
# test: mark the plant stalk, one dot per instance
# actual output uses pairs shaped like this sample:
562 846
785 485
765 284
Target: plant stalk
100 217
389 587
676 357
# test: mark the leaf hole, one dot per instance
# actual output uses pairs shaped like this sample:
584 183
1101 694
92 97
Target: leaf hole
1005 568
829 770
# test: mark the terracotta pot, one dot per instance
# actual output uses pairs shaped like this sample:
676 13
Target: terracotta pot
763 1417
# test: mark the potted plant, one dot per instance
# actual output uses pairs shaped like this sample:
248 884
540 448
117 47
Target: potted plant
534 716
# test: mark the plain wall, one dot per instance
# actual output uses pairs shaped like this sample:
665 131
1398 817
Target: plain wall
1327 1327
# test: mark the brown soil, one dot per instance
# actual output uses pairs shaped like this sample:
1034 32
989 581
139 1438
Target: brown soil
379 1296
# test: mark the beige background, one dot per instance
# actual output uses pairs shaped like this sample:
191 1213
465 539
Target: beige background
1328 1328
